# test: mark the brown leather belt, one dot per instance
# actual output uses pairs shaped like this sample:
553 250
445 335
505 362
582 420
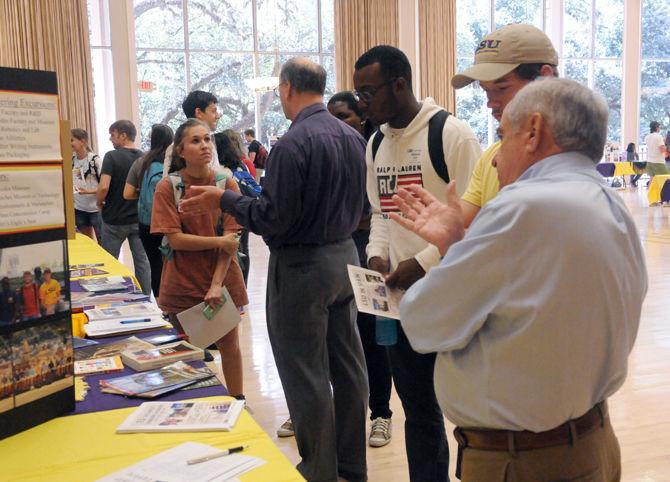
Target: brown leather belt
514 441
524 440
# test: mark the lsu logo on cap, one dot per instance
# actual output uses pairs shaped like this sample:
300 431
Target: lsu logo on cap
488 45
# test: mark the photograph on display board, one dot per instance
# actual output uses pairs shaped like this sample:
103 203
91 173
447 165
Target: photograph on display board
43 360
33 282
6 375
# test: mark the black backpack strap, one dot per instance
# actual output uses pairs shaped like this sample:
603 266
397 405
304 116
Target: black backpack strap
376 142
435 144
95 167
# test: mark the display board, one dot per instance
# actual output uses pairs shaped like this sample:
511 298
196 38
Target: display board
36 354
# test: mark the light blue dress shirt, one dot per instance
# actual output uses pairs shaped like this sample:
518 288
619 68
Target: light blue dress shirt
535 311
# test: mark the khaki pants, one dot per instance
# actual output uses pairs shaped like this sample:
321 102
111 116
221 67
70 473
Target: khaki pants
593 458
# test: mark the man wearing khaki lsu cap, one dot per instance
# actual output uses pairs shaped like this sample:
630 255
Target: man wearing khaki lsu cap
505 61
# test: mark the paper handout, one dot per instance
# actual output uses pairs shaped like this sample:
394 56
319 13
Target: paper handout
371 293
171 466
183 416
202 331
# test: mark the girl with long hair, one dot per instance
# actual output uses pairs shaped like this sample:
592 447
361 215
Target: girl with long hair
203 244
86 168
143 177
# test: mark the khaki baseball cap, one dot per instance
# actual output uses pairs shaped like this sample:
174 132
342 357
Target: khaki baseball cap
502 51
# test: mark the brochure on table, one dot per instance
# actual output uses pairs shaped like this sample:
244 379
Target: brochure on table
183 417
36 353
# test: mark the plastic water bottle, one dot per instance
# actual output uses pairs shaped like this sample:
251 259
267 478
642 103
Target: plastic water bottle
386 331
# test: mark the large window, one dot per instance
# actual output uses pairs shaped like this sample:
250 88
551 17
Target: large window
217 46
655 69
591 46
103 79
593 51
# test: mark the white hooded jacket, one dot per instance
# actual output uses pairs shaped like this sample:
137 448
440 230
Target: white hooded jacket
403 159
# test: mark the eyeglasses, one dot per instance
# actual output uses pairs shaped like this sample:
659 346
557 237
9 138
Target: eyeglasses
276 90
367 95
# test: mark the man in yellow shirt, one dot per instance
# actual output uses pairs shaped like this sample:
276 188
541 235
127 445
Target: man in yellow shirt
49 293
505 61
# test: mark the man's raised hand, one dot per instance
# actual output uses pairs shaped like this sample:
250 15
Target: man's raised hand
204 198
439 224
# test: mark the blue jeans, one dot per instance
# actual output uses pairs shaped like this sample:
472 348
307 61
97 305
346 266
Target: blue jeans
113 236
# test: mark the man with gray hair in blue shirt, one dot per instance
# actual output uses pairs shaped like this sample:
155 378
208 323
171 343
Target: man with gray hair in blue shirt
311 203
532 312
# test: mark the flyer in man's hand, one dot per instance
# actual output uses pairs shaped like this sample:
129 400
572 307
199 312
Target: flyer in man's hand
372 294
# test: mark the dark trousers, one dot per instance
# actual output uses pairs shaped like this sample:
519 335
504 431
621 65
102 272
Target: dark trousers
317 349
378 367
425 435
376 356
151 243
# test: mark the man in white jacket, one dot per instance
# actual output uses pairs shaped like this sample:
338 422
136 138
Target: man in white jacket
383 82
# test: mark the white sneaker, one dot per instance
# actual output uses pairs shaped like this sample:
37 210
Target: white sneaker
380 432
286 429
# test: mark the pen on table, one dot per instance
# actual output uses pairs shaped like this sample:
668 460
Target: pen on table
140 320
217 455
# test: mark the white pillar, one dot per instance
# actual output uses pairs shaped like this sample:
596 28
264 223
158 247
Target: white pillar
630 102
408 38
122 26
554 24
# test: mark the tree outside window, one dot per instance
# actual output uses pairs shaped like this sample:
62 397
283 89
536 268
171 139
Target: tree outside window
655 69
215 45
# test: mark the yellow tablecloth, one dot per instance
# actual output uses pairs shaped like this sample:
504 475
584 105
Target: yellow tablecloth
655 186
623 169
83 250
85 447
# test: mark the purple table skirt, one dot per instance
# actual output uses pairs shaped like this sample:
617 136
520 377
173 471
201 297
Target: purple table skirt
96 401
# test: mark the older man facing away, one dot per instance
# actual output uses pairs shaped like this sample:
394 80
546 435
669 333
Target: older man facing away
532 312
311 202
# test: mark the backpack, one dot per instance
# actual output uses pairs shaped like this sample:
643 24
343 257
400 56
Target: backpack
92 167
179 190
435 144
147 189
261 157
248 185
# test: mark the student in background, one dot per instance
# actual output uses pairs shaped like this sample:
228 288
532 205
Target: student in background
257 153
28 298
229 150
655 151
143 177
343 106
203 106
633 156
203 244
86 169
120 215
49 293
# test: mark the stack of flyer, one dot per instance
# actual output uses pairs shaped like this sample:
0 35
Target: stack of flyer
183 417
151 358
172 466
156 382
128 318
